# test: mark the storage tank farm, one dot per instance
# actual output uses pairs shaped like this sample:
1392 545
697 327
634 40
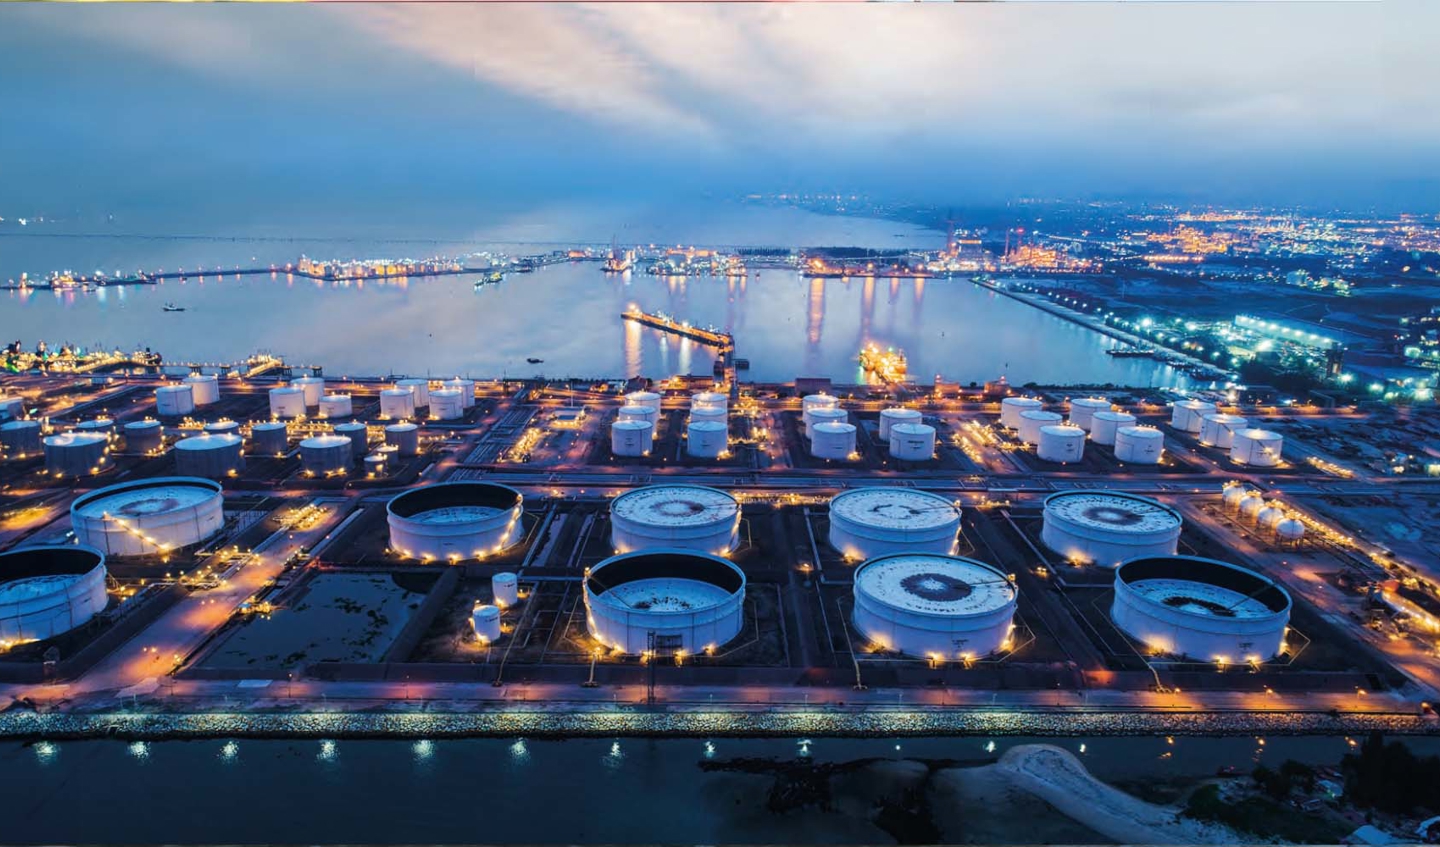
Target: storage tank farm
397 404
681 599
359 435
148 517
21 438
174 401
287 401
890 417
687 517
337 406
1032 420
76 453
1201 609
211 455
1061 443
1083 409
46 591
632 438
934 606
912 442
1139 445
1218 429
1257 448
1103 425
144 437
204 388
1188 415
870 522
270 438
832 440
1011 407
453 521
1107 527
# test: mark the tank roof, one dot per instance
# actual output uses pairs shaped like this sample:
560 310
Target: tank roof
1204 587
143 499
894 508
208 441
675 505
1112 510
930 584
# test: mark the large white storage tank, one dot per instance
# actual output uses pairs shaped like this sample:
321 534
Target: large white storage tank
75 453
222 427
1061 443
823 414
912 442
832 440
1218 430
359 435
271 438
313 387
418 388
938 607
1107 527
173 401
204 388
690 517
1139 445
404 437
1031 421
890 417
446 405
870 522
644 398
1103 425
20 438
337 406
1188 415
466 387
148 517
325 454
212 455
397 403
710 415
505 588
50 590
287 401
811 402
1083 409
706 439
1257 448
1201 609
1012 407
454 520
682 599
632 438
709 400
648 414
144 437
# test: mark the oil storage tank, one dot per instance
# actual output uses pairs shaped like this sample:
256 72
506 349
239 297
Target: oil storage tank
466 387
418 388
690 517
211 455
49 590
485 619
709 400
75 453
680 600
270 438
648 414
1083 409
1061 443
103 426
811 402
1030 423
405 438
287 401
359 435
173 401
337 406
397 403
1103 425
1139 445
870 522
823 414
1012 407
1218 430
144 437
505 589
831 440
706 439
325 454
1201 609
454 520
632 438
938 607
912 442
1187 415
20 438
1257 448
1107 527
222 427
148 517
644 398
446 405
313 387
708 414
204 388
890 417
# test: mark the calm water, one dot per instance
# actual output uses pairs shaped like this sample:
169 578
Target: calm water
629 790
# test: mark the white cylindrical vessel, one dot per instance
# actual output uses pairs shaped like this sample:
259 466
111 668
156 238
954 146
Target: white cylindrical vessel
359 435
1140 445
397 403
455 520
710 415
1257 448
709 400
647 414
1108 527
1218 429
211 455
631 438
49 590
832 440
1061 443
1201 609
313 388
418 388
933 606
446 404
1031 421
505 588
1103 425
1187 415
405 438
912 442
890 417
870 522
325 454
1083 409
173 401
287 401
375 464
148 517
204 388
75 453
102 426
810 403
1012 407
486 621
644 398
144 437
21 438
690 517
824 414
271 438
225 427
706 439
337 406
466 387
673 600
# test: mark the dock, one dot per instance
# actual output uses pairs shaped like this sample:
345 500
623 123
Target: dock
722 341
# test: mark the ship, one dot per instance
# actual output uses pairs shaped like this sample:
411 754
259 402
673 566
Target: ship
534 361
171 307
490 279
618 261
887 365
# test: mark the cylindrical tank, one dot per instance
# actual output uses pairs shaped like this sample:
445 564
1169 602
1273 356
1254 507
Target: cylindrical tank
287 401
912 442
405 437
1061 443
1257 448
313 387
632 438
446 404
325 454
418 388
204 388
1108 527
644 398
824 414
706 413
875 521
811 402
397 403
1140 445
692 517
173 401
271 438
934 606
1233 494
505 588
890 417
1290 530
1218 429
1083 409
466 387
359 435
1104 424
104 426
46 591
144 436
706 439
451 521
148 516
210 455
75 453
1250 506
832 440
1011 407
1201 608
20 438
709 400
682 598
337 406
486 620
1030 422
647 414
1187 415
222 427
375 464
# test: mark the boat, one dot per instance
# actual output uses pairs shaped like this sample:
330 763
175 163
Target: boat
489 279
888 365
534 361
171 307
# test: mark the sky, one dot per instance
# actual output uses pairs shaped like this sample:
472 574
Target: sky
387 113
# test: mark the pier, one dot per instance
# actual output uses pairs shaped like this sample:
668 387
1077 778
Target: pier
722 341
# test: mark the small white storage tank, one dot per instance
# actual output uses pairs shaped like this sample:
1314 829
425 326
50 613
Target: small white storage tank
418 388
1030 422
643 413
148 517
1083 409
631 438
75 453
359 435
1060 443
313 388
709 400
145 436
337 406
1257 448
912 442
1290 530
1232 494
1269 516
824 414
505 588
173 401
938 607
287 401
1188 415
1201 609
222 427
211 455
397 403
404 437
204 388
1108 527
1012 407
103 426
375 464
690 517
466 387
49 590
706 439
1103 425
710 415
325 454
20 438
446 405
271 438
486 620
1219 429
870 522
1140 445
644 398
454 520
684 599
832 440
1250 506
890 417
